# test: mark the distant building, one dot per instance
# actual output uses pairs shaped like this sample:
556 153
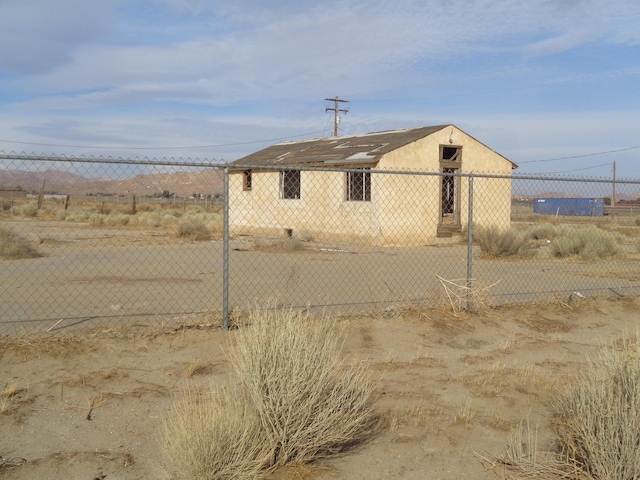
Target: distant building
585 207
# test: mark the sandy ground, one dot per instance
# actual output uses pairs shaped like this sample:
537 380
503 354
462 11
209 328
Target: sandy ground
450 387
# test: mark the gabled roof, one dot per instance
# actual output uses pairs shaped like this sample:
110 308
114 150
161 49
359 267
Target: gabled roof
363 149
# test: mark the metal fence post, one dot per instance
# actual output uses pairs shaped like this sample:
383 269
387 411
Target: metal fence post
470 245
225 252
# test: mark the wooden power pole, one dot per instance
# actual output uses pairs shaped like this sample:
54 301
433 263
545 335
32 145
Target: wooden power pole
336 112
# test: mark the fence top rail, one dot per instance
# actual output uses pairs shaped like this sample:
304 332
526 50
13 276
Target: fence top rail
179 162
213 163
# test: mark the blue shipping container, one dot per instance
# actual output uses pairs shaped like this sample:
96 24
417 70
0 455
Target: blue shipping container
587 207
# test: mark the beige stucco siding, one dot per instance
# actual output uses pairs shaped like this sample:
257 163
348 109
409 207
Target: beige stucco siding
321 211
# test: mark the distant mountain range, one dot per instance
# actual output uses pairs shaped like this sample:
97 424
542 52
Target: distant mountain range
205 181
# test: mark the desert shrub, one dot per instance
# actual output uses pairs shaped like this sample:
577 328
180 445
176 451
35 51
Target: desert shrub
29 210
144 207
310 403
153 220
598 419
194 227
214 222
61 214
543 231
173 212
586 242
116 219
79 216
638 245
192 209
96 220
495 242
13 245
216 436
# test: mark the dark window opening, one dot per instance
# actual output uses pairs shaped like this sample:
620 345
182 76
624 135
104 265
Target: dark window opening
450 154
246 180
290 184
448 192
359 186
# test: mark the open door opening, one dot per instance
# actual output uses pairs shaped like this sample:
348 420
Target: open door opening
450 163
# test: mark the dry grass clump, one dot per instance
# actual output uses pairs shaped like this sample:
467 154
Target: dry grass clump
586 242
214 436
296 401
311 404
193 227
496 242
597 426
543 231
25 210
13 245
598 419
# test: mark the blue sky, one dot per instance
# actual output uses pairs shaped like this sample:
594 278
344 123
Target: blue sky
536 80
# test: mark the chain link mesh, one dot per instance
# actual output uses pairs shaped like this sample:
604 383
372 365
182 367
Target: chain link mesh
89 243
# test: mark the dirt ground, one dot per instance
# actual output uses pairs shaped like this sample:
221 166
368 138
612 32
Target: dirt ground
451 388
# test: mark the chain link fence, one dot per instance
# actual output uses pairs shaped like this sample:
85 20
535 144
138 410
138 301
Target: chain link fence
100 242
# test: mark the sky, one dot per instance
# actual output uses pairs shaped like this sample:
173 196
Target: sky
553 85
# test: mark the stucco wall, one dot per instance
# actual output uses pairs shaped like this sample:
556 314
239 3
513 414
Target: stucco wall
320 212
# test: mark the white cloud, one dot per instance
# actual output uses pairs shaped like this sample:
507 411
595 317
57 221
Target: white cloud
37 35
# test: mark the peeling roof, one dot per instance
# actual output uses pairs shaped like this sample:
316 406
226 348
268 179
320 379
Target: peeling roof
363 149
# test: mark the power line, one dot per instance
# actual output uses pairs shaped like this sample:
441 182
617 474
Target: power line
581 156
184 147
580 169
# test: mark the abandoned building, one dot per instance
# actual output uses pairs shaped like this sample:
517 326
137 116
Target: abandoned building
359 187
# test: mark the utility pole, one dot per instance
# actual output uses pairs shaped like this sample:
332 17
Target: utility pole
336 112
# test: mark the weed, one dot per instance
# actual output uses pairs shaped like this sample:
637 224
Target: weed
216 436
598 419
495 242
29 210
586 242
13 245
310 403
193 227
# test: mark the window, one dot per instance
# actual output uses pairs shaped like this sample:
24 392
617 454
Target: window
290 184
359 186
450 154
246 180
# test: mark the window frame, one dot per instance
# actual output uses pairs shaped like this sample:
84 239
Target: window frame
290 184
247 180
362 192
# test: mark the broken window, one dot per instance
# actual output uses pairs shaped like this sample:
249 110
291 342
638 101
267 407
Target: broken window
246 180
290 184
359 186
450 154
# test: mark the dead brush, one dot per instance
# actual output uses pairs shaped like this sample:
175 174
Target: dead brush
596 423
295 401
214 436
13 245
310 403
462 296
